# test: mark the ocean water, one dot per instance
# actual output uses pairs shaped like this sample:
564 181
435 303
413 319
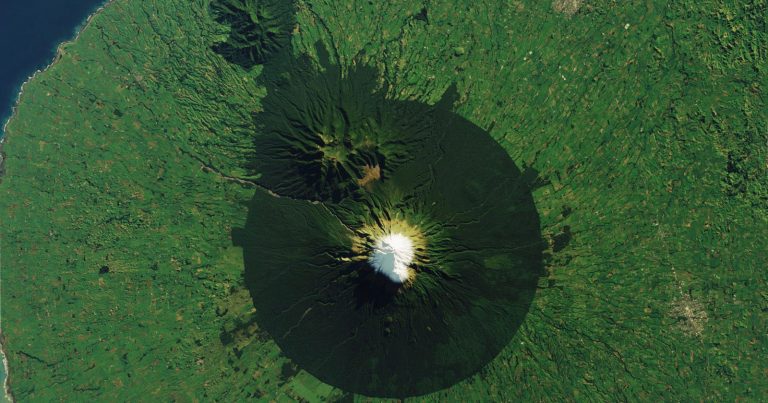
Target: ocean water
30 31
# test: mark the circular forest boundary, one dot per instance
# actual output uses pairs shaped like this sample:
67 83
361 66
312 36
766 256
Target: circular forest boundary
639 131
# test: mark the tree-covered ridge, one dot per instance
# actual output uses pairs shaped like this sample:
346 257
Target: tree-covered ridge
258 28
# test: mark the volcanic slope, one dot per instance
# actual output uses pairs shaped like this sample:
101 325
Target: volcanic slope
442 181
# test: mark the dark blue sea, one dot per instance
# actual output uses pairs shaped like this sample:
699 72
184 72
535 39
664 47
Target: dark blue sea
30 31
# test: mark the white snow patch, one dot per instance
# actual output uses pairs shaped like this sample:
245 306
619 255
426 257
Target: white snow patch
392 255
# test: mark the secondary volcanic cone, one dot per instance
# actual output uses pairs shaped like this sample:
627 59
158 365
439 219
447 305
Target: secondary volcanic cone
402 285
329 135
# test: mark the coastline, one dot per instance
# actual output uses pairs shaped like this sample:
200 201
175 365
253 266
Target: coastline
7 391
76 31
76 34
7 396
